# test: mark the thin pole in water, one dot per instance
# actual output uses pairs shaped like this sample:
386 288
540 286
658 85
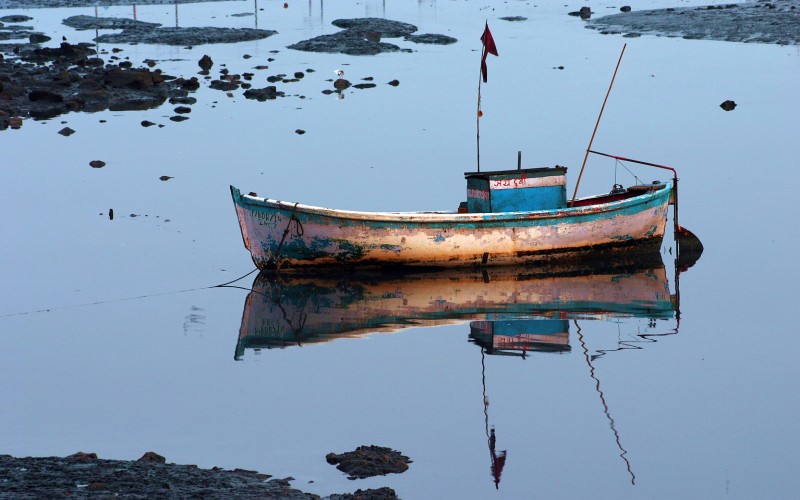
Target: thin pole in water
478 116
575 193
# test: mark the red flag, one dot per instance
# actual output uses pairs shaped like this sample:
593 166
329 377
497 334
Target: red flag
488 48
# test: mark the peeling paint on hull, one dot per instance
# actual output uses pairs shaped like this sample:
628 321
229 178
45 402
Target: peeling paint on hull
290 235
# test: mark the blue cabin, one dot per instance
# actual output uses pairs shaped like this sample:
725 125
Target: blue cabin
520 190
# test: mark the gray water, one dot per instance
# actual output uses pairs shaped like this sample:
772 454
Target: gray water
111 340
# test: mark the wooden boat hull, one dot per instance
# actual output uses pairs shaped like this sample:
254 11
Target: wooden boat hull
291 235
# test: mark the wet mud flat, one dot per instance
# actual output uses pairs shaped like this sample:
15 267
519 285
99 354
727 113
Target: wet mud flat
776 22
83 475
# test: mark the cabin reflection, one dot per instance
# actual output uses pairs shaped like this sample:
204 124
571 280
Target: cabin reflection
509 310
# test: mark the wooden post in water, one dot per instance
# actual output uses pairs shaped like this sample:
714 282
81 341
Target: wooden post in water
578 182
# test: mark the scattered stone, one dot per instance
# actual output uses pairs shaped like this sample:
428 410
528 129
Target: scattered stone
394 83
514 18
584 13
269 92
66 131
299 74
364 86
166 177
97 164
183 100
152 456
205 63
223 85
728 105
431 39
384 493
369 461
110 214
38 38
625 8
341 84
246 56
178 118
83 457
299 131
182 110
146 123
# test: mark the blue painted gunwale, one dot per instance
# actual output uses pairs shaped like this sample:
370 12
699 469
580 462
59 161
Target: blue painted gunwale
446 220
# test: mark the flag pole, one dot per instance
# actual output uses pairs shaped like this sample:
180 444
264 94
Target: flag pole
575 193
478 114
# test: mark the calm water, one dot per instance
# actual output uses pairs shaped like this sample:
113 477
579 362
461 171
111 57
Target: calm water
113 342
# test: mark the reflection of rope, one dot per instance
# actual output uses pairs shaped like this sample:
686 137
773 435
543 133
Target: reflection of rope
623 452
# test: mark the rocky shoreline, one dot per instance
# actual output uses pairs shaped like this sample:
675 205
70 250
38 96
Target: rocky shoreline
84 475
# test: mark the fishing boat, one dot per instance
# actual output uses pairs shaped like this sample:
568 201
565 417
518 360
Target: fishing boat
510 217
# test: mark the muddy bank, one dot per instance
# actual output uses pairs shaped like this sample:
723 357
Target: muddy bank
83 475
775 22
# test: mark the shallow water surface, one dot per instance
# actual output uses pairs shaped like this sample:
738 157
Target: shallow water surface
113 339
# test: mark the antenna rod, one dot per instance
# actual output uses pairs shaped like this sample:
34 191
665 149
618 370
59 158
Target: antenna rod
575 193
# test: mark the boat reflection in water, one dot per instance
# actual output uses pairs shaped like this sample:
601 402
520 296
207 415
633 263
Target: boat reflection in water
511 312
510 309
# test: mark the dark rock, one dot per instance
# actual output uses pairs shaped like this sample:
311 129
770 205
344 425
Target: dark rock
136 103
95 164
146 123
125 64
152 456
514 18
205 63
45 96
81 456
364 86
394 83
178 118
269 92
183 100
341 84
166 177
384 493
223 85
66 131
139 79
299 131
584 13
299 74
625 8
38 38
431 39
182 110
369 461
728 105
